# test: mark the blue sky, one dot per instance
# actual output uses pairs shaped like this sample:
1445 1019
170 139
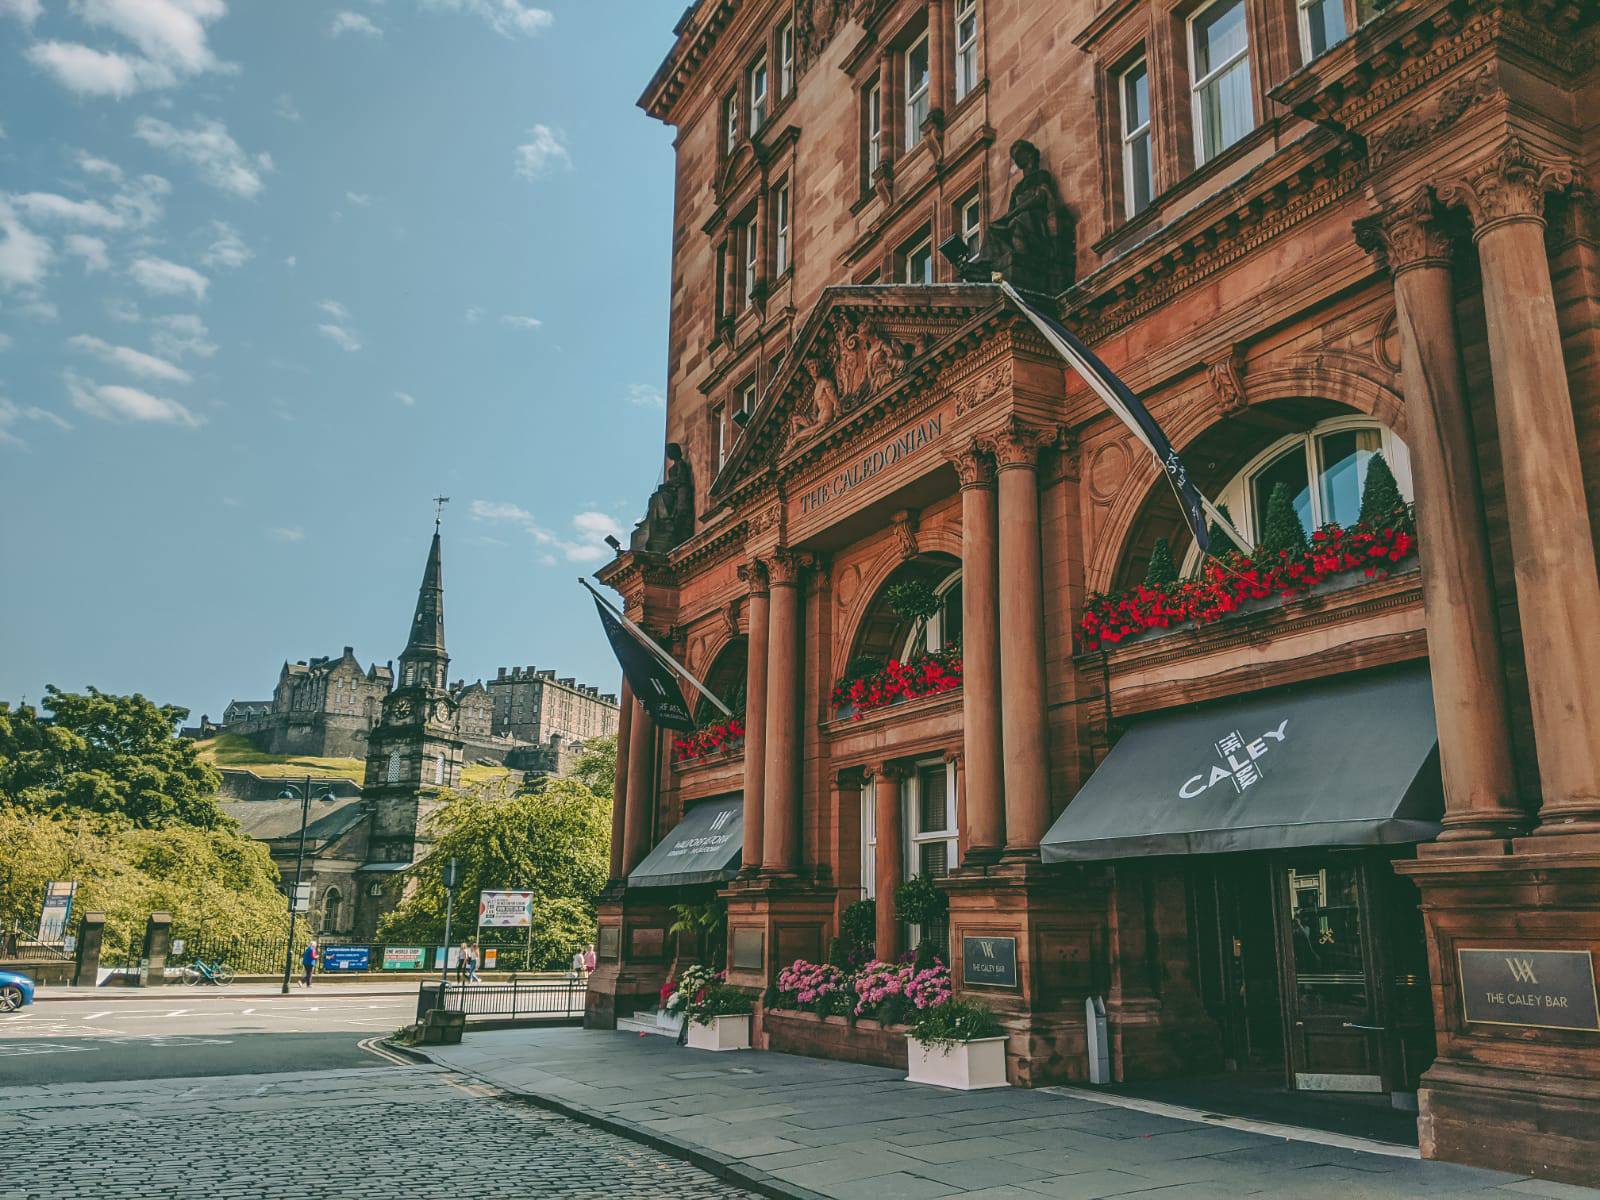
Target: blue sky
272 275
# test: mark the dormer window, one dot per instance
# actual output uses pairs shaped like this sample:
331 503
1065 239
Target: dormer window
917 90
758 96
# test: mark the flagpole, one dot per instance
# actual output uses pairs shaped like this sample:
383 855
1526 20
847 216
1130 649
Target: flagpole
1109 398
656 651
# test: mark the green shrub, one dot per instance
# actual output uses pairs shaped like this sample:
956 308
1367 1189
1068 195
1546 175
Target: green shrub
858 931
920 901
1220 540
1162 570
956 1021
1381 500
1281 531
720 1000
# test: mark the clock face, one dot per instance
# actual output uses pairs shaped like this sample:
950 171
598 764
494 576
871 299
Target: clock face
441 711
401 710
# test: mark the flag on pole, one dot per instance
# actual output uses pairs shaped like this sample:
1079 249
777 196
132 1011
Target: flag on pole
649 669
1119 398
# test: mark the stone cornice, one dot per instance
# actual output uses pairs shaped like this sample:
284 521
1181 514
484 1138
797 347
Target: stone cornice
697 35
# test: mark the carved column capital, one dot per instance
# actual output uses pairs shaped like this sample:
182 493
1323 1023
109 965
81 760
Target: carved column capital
893 771
1226 374
954 756
1017 444
972 464
1406 234
785 566
1508 187
904 524
754 574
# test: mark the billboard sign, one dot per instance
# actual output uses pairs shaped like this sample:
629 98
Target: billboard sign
403 958
502 910
57 910
347 958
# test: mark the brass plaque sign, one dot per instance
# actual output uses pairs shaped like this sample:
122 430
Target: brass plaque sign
646 943
989 961
610 943
748 945
1534 989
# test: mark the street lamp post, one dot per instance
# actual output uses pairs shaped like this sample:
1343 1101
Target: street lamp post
451 878
304 796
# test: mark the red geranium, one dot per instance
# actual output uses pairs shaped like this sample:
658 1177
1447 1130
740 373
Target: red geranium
924 674
708 739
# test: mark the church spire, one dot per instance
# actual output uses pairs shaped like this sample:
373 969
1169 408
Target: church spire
424 661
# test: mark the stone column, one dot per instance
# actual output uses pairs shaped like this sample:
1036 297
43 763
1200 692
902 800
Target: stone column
983 831
91 937
888 855
641 788
754 573
1558 593
780 835
619 786
1021 604
157 943
1464 656
732 272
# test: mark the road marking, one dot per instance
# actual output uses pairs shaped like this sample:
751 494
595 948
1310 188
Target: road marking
373 1046
246 1012
37 1048
177 1012
97 1016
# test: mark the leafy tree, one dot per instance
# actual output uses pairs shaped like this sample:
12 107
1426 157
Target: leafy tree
1281 530
554 842
106 754
1381 500
596 767
1161 571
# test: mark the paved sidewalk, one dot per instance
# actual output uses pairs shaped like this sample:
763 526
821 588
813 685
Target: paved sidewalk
233 991
801 1127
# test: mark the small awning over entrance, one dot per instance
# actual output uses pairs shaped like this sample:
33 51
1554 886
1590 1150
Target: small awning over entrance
704 848
1349 761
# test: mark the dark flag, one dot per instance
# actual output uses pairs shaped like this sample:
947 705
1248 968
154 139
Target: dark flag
653 685
1119 398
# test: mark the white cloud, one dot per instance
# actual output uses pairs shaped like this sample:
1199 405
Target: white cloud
227 247
91 164
286 533
585 543
359 199
352 22
506 17
543 153
24 255
168 35
182 334
473 314
26 11
90 72
646 395
209 147
91 249
113 402
136 362
12 415
123 310
333 309
406 398
165 278
340 337
290 262
517 322
47 206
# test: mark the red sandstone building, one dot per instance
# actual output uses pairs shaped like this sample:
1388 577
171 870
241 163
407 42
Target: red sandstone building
1348 838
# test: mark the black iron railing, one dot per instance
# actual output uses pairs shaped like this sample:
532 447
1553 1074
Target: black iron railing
549 999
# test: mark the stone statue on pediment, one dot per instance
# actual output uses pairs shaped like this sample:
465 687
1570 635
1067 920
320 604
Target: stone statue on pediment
669 519
1033 243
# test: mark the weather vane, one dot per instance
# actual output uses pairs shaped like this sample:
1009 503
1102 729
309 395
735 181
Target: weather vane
438 509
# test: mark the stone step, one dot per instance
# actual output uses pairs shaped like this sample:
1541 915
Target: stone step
643 1023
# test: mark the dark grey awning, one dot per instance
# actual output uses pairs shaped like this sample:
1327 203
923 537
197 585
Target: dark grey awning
1348 761
705 847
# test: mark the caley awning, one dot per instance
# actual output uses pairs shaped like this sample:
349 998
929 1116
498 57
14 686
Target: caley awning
705 847
1347 761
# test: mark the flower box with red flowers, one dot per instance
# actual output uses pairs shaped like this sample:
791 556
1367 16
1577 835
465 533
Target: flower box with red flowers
1231 585
895 682
709 741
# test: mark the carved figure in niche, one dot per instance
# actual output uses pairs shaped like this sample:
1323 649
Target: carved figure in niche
1033 243
850 364
669 520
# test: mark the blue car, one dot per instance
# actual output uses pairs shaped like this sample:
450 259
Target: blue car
16 991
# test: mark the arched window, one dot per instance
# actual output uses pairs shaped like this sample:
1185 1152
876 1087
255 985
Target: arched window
944 626
1324 468
392 775
331 900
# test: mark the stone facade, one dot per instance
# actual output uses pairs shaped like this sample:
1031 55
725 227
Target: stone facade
1297 247
324 707
535 706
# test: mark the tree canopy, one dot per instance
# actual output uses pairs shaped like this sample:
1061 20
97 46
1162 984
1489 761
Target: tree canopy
596 767
112 755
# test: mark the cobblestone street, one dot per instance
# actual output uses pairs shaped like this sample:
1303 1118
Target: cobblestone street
386 1132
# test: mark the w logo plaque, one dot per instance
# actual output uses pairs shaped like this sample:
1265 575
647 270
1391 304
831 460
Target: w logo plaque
1529 989
989 961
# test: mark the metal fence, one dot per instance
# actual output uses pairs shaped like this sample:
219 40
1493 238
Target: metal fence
548 999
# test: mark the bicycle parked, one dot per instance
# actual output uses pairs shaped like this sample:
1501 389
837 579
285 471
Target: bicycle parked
200 971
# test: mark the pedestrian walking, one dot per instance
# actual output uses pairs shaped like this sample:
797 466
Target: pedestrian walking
578 965
588 959
462 954
308 959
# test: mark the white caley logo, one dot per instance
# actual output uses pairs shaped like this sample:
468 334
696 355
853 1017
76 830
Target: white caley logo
1240 756
1521 970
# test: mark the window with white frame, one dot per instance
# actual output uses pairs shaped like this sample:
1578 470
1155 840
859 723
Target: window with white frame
1322 26
786 58
869 841
730 122
747 396
919 261
917 94
966 47
931 846
751 243
969 222
944 627
719 431
758 95
1138 164
780 229
1324 470
874 120
1219 65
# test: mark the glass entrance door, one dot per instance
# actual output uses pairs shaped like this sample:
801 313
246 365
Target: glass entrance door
1325 931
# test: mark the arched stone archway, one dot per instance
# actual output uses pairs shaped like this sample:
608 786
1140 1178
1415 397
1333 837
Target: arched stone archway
875 630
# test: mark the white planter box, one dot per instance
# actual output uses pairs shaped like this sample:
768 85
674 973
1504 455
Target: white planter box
670 1022
966 1066
723 1033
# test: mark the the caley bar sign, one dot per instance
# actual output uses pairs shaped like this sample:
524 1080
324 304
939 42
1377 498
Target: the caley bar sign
1537 989
990 961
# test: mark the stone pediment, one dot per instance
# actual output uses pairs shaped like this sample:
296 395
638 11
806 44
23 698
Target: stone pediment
859 347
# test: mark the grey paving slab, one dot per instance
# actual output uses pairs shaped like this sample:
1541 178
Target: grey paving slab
1089 1185
895 1187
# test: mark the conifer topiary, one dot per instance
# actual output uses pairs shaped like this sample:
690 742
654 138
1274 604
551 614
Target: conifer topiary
1380 494
1281 530
1161 571
1220 540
